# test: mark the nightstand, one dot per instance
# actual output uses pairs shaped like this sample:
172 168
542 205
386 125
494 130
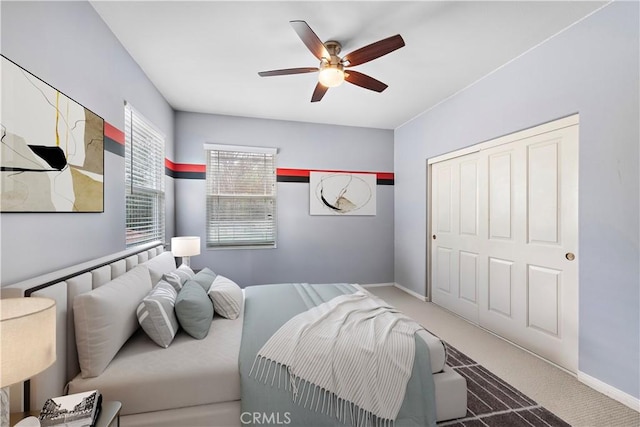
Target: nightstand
109 415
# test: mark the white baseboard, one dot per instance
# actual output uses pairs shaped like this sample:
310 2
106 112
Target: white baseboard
410 292
377 285
608 390
395 285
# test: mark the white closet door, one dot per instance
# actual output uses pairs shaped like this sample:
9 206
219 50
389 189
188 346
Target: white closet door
456 235
507 259
530 288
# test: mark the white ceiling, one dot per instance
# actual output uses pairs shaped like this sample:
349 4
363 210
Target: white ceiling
204 56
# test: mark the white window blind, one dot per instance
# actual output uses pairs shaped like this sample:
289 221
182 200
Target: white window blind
241 196
144 179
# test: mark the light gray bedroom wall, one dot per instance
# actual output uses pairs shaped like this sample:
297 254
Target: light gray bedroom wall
67 45
591 68
314 249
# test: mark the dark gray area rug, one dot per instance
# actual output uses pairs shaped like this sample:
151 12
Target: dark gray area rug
491 402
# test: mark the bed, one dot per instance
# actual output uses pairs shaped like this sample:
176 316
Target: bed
192 382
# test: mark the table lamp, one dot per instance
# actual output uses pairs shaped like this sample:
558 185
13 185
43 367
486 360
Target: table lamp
27 343
185 247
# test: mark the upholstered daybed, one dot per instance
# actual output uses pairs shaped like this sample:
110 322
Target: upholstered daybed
191 382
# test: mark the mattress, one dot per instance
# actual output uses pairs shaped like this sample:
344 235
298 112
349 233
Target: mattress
437 352
190 372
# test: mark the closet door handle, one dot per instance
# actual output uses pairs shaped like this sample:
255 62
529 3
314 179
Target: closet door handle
570 256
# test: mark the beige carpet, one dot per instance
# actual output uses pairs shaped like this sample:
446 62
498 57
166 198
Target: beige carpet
556 390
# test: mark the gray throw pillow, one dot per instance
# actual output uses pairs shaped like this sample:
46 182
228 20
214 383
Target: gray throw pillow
156 314
194 310
205 278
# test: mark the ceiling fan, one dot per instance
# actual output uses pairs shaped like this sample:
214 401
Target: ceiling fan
332 67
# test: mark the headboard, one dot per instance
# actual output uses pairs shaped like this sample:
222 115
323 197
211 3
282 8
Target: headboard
62 286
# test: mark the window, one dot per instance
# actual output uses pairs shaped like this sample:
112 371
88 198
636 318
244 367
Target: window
241 196
144 180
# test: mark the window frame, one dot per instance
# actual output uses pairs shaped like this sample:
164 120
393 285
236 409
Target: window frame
269 181
144 188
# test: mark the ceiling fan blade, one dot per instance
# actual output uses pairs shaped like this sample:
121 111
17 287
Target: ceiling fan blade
373 51
286 71
319 92
310 39
364 81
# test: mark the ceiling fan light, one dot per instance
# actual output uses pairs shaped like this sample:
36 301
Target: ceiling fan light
331 76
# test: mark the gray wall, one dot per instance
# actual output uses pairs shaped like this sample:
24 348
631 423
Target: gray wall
314 249
67 45
592 69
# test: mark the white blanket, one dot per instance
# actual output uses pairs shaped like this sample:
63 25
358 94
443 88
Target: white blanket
352 350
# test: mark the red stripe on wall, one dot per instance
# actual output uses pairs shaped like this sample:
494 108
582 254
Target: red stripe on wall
117 135
184 167
293 172
305 172
114 133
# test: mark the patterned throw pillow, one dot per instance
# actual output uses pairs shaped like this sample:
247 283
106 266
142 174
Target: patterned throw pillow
226 296
178 276
156 314
174 280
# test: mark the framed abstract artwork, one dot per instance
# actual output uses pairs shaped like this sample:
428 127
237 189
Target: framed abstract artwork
51 148
343 193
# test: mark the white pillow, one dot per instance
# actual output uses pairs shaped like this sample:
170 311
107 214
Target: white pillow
105 318
185 269
159 265
226 296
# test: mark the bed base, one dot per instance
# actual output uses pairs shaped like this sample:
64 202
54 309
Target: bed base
450 391
63 285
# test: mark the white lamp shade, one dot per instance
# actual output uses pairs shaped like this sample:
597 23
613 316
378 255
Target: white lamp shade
185 246
27 338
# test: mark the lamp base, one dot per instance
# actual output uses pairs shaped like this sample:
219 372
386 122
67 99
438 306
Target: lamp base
4 407
186 260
